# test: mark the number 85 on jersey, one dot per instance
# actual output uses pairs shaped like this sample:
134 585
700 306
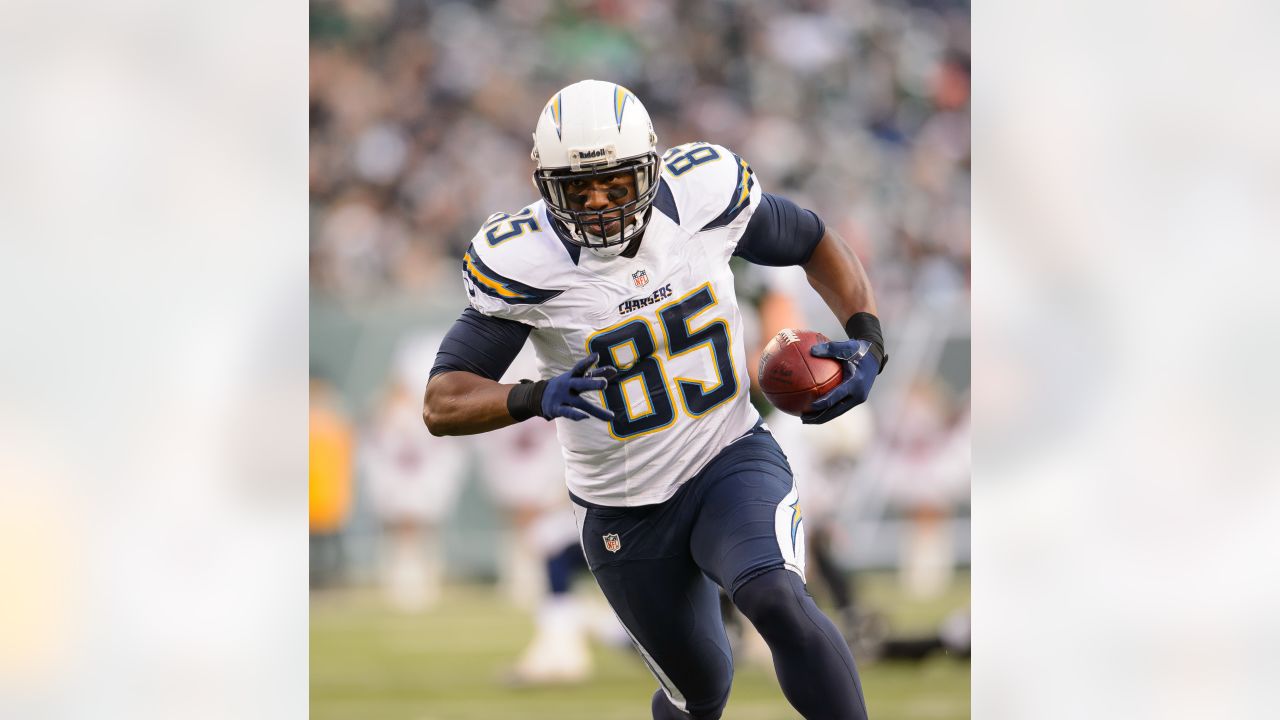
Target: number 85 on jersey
632 347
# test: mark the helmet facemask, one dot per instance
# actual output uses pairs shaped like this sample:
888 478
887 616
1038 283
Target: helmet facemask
587 227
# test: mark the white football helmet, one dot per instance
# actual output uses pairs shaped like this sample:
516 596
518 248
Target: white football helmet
588 129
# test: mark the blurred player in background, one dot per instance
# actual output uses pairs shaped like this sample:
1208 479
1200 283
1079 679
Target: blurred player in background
413 481
929 440
678 485
524 471
331 447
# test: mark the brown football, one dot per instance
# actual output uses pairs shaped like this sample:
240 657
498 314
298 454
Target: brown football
792 378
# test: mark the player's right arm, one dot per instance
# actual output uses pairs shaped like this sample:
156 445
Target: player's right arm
464 397
462 403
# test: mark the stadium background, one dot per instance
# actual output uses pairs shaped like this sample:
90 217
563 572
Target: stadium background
420 119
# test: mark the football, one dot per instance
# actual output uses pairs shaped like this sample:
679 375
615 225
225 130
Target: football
792 378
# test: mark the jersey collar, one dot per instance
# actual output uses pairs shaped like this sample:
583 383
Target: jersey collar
574 250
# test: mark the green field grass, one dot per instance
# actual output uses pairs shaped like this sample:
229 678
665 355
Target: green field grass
371 664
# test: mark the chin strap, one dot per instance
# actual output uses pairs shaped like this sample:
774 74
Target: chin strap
629 234
608 252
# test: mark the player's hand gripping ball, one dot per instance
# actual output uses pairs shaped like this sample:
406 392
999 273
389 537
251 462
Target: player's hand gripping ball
804 373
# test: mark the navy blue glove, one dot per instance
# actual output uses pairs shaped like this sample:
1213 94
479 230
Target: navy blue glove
562 396
860 370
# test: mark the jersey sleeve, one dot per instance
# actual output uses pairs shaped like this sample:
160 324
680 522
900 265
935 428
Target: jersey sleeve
780 233
714 190
480 344
507 280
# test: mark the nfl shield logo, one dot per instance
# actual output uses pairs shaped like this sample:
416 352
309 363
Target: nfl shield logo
612 542
640 278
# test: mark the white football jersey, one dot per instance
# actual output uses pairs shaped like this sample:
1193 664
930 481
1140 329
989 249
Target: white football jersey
668 319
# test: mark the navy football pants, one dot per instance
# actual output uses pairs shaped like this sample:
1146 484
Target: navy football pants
736 524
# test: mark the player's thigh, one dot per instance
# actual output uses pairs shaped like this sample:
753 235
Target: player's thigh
670 609
750 519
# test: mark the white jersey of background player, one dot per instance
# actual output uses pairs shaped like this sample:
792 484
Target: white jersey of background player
413 480
676 294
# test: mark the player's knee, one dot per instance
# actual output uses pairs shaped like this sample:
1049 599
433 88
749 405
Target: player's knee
706 709
664 710
773 602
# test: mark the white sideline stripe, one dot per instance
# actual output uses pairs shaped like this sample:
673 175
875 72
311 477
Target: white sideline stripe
668 688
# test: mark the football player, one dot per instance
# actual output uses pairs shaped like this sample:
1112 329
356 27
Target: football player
619 277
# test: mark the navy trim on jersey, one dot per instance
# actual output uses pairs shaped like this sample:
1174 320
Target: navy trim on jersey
741 197
780 233
665 202
480 344
503 288
574 250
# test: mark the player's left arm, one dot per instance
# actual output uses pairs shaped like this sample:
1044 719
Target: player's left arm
837 275
782 233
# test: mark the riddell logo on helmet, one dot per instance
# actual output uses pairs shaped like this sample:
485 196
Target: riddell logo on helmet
590 154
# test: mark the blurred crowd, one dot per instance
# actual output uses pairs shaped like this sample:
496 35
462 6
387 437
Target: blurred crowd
421 114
